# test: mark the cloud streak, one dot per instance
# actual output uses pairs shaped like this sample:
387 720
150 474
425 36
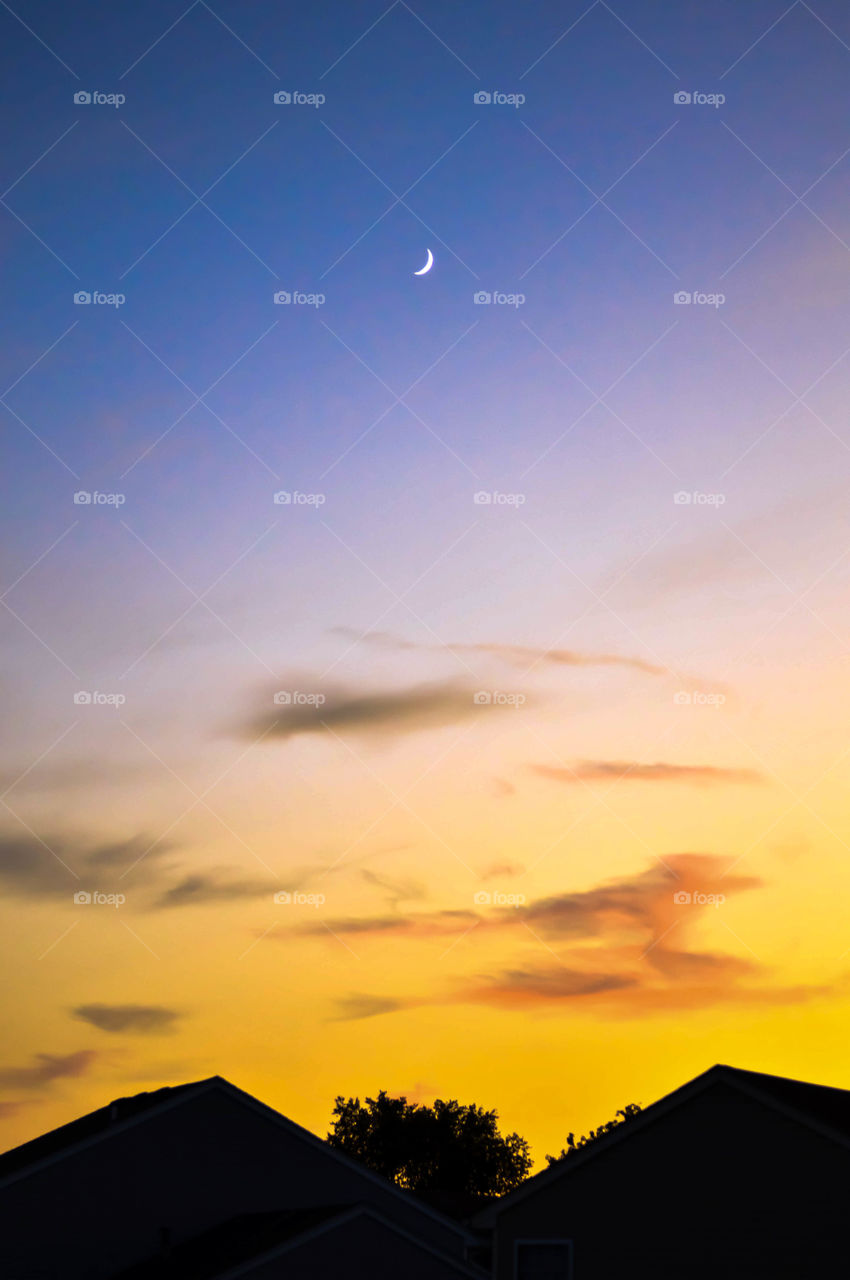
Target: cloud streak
633 771
58 868
383 712
137 1019
515 655
620 949
47 1067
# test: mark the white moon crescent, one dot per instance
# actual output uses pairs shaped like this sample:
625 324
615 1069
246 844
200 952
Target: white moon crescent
428 265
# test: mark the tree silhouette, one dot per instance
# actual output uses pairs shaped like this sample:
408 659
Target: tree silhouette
448 1149
572 1146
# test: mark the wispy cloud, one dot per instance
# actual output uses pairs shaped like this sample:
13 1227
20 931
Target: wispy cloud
516 655
143 870
620 949
47 1067
633 771
60 865
382 712
355 1007
201 888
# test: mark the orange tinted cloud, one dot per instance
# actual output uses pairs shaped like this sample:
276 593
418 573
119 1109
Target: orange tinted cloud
620 948
631 770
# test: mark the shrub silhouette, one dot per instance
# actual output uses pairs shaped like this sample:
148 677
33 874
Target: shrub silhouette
572 1146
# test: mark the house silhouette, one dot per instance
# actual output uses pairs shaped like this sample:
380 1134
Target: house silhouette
203 1180
735 1174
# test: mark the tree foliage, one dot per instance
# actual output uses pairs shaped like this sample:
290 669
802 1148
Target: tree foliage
573 1146
448 1148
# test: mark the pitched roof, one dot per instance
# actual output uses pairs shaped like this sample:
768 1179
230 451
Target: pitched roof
125 1112
90 1126
824 1109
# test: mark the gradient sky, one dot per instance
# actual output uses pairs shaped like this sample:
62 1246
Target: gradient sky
558 797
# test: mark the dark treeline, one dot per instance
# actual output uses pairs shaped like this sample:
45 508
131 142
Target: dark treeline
446 1151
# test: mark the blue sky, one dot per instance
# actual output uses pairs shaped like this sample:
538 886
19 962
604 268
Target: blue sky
580 400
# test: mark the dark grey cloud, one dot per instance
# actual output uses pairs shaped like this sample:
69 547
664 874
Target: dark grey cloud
58 866
47 1067
137 1019
140 868
385 712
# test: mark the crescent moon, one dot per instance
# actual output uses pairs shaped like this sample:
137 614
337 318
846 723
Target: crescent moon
428 265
